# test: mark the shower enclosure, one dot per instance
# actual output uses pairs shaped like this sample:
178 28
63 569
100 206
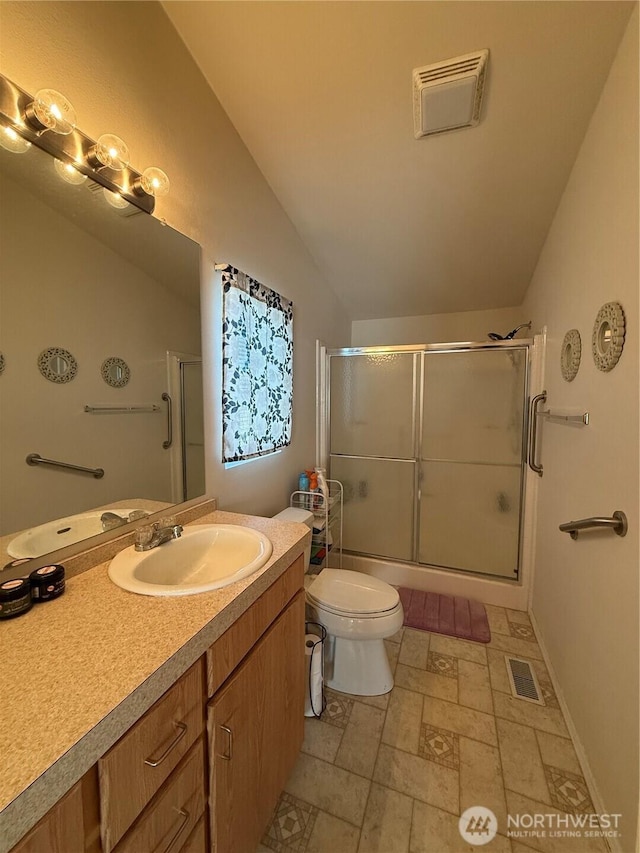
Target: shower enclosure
429 443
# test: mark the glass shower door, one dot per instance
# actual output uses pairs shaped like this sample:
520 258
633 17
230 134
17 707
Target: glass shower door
193 483
373 438
471 460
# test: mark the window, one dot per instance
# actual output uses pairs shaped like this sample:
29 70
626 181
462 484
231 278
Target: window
257 368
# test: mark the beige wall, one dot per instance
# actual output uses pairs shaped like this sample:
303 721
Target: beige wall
586 591
126 71
437 328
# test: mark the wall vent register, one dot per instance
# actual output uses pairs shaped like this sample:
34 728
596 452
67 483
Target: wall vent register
448 95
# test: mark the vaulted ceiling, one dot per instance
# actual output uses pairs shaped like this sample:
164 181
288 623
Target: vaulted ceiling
321 94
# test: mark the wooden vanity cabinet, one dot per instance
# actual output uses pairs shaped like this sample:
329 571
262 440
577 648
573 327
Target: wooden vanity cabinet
149 791
256 727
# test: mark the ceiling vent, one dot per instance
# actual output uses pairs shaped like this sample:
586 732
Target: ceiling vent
448 95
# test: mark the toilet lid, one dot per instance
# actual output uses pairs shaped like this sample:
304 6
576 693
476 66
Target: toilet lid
352 592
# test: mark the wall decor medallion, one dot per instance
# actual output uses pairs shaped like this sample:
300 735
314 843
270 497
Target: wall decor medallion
115 372
570 355
607 340
2 362
57 365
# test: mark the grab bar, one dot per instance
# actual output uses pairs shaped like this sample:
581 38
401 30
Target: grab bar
618 523
167 444
36 459
533 433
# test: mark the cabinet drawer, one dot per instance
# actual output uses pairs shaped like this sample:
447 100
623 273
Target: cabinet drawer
197 841
135 768
171 817
61 830
237 641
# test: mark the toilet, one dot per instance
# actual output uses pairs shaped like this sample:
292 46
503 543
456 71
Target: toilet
358 611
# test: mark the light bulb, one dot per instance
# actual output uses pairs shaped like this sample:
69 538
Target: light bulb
50 110
109 151
115 199
69 173
12 141
153 182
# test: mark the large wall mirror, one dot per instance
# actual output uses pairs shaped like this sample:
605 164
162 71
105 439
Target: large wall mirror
106 286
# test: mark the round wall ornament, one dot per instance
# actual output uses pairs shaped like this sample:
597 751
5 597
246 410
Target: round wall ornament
115 372
607 340
57 365
570 355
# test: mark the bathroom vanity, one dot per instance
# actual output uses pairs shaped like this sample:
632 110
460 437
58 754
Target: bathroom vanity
156 724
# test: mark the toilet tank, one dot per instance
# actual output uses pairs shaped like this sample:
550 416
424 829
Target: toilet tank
301 516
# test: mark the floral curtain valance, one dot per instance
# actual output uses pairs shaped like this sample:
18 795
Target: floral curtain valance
257 368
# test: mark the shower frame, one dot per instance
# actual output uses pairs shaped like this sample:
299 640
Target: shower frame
324 429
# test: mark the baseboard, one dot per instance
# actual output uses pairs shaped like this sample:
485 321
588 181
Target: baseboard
613 844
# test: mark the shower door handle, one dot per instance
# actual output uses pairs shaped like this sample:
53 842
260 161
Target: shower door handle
169 441
533 432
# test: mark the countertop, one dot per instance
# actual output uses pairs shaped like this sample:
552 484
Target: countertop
77 672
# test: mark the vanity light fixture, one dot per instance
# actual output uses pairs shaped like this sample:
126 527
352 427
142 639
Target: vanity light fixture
69 173
24 120
12 141
153 182
50 110
109 151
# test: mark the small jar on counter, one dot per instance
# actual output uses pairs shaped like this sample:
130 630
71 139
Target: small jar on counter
47 583
15 598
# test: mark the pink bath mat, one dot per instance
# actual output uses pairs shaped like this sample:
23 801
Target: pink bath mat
445 614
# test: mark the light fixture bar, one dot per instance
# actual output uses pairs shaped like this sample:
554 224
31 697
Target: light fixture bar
73 148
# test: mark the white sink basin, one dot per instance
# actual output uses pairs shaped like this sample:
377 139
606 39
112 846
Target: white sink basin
60 532
205 557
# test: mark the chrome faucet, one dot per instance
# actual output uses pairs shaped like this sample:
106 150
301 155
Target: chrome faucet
160 532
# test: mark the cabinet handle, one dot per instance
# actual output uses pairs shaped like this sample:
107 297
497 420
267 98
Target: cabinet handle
182 730
227 756
184 814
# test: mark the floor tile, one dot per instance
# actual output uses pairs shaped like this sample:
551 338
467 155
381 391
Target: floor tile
464 721
498 670
403 720
332 835
387 822
497 617
436 831
428 683
397 637
550 842
321 739
360 740
515 646
568 791
291 825
338 708
481 779
414 648
558 752
538 716
393 651
475 652
520 617
376 701
439 745
474 686
418 778
442 664
329 788
522 632
521 763
517 847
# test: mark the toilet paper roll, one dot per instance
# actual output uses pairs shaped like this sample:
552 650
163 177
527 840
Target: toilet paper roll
313 665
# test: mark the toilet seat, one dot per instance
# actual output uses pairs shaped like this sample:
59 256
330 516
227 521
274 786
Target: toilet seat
347 593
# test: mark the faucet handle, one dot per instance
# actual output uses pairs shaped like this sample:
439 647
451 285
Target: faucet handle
167 521
143 535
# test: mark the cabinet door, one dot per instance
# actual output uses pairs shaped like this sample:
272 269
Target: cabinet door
61 830
256 727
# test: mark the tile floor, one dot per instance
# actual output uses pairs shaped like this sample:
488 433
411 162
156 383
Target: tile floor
392 774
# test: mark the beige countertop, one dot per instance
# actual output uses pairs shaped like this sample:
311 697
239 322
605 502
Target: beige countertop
77 672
